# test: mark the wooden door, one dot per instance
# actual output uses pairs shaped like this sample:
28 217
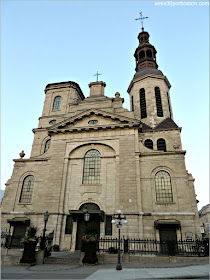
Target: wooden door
168 240
93 226
18 233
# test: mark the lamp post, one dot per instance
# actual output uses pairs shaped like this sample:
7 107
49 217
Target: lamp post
46 216
119 225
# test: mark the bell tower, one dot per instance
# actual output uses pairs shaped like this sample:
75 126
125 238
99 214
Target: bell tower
149 89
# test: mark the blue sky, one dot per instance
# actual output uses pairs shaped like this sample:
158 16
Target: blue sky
45 42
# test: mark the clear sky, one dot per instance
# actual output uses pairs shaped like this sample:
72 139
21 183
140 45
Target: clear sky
46 42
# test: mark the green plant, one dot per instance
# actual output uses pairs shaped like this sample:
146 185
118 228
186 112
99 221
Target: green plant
30 236
90 238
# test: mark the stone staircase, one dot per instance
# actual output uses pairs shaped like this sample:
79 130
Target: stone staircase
63 258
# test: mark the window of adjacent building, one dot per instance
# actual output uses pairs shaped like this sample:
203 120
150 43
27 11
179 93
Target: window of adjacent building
27 189
143 103
92 165
169 107
69 224
47 145
161 144
158 102
56 103
52 122
108 225
148 143
93 122
163 187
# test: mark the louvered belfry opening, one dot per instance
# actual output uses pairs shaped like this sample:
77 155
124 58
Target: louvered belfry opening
148 143
143 103
158 102
161 145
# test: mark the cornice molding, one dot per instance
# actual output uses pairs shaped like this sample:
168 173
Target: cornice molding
134 80
160 153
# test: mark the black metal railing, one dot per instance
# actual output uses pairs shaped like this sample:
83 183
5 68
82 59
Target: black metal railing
109 245
11 242
15 242
145 246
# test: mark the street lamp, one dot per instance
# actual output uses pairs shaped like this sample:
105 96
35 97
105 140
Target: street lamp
119 224
46 216
86 217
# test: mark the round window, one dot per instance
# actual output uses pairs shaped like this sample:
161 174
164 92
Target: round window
93 122
52 122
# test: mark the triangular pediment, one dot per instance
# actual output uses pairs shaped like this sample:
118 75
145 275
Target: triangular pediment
84 121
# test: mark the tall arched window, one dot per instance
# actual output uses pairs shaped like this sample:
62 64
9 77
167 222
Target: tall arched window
27 189
143 103
47 145
92 166
148 143
132 104
161 145
56 103
163 187
158 102
169 107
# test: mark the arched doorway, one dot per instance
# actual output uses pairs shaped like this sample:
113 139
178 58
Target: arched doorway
92 226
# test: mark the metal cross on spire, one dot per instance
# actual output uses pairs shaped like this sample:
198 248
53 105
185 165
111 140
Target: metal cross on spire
141 18
97 74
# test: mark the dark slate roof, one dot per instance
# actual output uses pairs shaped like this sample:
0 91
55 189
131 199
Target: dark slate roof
165 124
146 128
148 71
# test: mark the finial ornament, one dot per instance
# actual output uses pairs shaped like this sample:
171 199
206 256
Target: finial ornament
141 18
22 154
97 74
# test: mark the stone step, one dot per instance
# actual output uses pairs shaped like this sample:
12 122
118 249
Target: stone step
53 260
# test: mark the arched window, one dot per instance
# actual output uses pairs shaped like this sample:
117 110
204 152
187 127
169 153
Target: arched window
169 107
158 102
47 145
91 169
141 54
143 103
27 189
163 187
132 104
52 122
148 143
149 53
161 144
56 103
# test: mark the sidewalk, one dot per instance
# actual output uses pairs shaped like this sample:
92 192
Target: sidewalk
104 272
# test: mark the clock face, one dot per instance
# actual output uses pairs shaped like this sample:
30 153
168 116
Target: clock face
52 122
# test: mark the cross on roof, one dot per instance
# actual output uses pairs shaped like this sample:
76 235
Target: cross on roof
97 74
141 18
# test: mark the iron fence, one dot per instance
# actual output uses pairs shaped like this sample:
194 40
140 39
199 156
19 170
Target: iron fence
153 247
109 245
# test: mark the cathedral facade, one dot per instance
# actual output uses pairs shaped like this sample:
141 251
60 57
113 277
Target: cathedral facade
91 154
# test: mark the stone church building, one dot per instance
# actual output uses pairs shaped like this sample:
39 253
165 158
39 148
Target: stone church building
92 154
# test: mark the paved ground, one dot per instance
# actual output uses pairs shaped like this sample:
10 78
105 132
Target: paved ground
108 272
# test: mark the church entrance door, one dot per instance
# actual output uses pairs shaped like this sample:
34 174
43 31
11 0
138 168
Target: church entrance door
18 233
92 226
168 240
